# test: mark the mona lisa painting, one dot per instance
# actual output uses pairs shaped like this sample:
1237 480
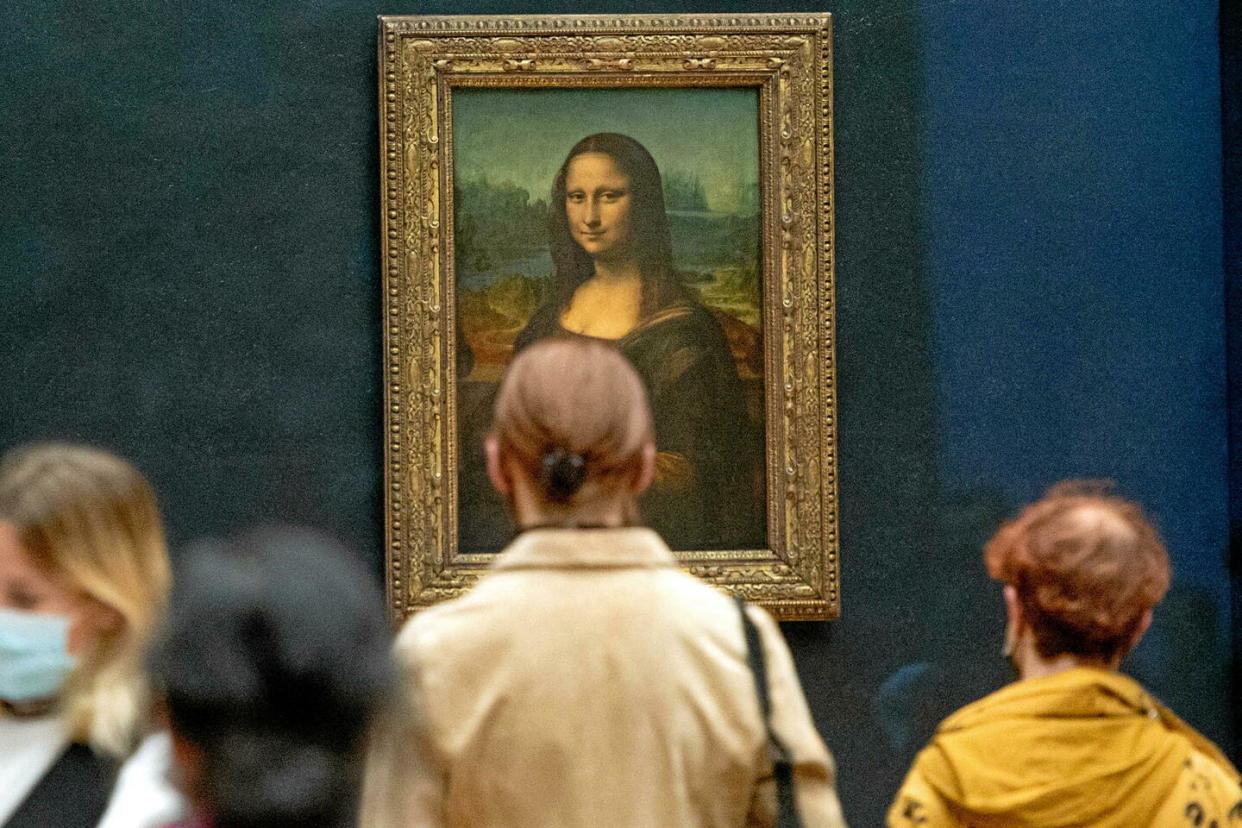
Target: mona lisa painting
661 184
596 242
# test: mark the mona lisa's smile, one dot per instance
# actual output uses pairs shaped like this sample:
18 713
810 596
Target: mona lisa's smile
597 205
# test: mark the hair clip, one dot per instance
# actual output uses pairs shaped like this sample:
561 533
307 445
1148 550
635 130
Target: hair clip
562 473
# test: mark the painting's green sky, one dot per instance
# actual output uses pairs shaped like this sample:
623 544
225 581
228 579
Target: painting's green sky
522 135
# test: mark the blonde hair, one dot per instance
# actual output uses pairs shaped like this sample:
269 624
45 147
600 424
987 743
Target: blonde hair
573 398
90 519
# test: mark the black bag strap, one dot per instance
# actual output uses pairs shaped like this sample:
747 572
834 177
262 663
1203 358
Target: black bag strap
782 766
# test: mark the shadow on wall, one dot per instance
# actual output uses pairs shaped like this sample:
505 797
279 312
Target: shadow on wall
958 658
1184 662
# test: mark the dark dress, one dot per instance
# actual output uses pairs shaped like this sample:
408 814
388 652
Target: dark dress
709 486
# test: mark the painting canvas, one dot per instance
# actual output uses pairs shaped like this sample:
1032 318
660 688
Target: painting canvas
699 352
662 182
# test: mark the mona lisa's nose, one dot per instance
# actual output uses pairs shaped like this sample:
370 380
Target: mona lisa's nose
591 216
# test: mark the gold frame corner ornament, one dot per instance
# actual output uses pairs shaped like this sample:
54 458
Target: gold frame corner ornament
788 57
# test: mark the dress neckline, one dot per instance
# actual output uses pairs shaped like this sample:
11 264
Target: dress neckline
673 311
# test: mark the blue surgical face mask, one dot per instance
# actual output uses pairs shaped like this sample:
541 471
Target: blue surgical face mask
34 655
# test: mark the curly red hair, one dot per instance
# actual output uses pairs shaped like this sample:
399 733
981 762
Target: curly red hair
1087 566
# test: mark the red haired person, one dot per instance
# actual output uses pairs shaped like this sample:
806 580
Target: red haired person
1073 742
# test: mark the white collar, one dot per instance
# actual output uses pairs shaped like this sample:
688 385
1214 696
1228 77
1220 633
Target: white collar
28 748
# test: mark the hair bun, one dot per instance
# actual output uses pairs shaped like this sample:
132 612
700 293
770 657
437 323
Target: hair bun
562 473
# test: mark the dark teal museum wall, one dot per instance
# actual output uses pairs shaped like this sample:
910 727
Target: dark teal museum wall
1030 287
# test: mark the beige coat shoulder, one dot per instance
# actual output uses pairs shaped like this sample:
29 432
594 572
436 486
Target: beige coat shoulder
588 681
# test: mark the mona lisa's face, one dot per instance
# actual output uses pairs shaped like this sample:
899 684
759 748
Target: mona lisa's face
597 206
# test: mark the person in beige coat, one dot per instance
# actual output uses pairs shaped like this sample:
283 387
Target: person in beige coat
586 680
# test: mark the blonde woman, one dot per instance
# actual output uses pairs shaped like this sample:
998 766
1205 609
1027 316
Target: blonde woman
84 576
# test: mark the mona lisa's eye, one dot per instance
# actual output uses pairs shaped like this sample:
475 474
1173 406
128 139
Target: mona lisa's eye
577 196
611 195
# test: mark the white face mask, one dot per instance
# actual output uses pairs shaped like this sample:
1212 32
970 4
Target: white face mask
34 655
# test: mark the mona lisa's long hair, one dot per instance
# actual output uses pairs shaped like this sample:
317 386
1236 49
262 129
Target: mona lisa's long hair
653 246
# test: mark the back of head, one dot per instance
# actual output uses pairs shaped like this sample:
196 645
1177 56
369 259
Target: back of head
574 414
1087 567
89 519
274 661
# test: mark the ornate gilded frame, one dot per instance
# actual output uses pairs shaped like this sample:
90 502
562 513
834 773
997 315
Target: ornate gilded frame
788 57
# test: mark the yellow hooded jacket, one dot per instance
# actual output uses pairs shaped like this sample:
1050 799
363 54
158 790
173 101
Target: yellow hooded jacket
1086 747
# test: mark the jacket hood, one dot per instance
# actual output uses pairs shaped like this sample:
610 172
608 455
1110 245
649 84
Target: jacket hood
1083 747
